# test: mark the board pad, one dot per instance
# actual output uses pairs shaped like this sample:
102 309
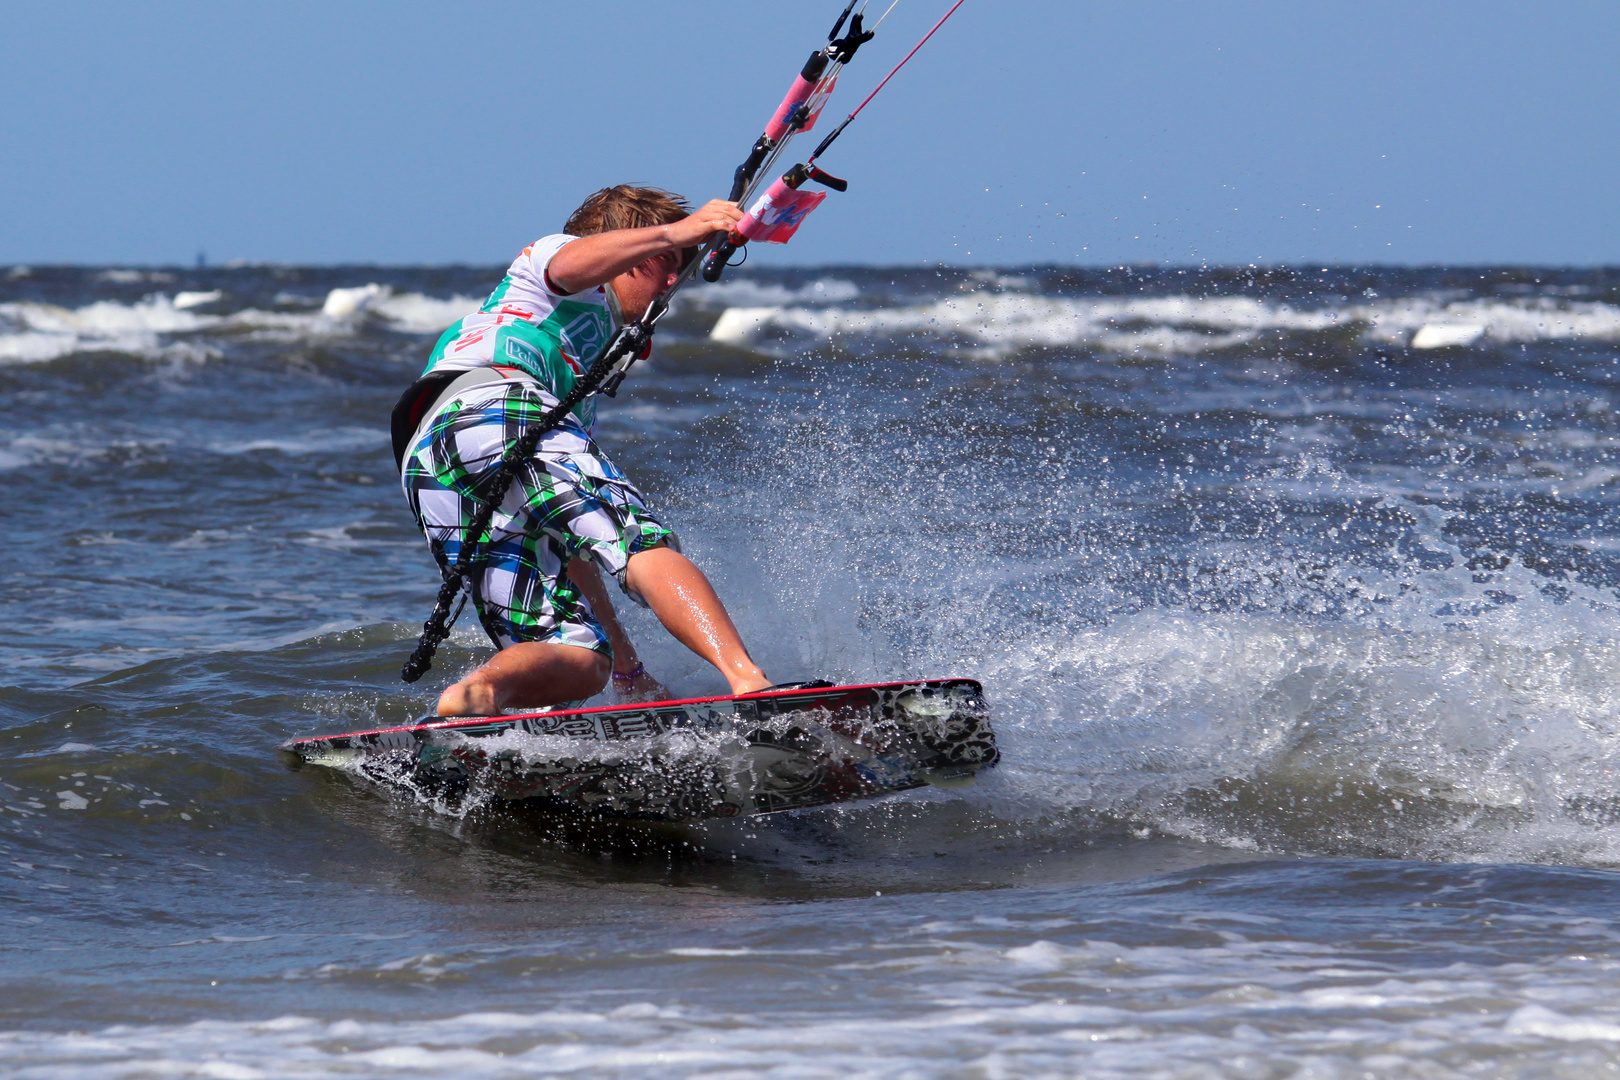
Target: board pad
718 757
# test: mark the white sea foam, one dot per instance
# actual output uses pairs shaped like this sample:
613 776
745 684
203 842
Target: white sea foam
35 333
66 445
62 448
159 327
1178 324
413 313
30 347
1451 718
1446 335
1536 1020
318 441
342 303
1002 281
747 292
123 276
988 322
1000 999
185 300
357 536
1276 692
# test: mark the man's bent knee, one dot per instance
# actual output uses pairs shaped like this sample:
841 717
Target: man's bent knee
531 674
601 666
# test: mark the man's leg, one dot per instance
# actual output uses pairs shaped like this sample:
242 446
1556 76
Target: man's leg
629 687
531 674
686 604
555 650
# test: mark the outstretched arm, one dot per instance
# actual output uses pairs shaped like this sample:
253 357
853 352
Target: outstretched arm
597 259
643 687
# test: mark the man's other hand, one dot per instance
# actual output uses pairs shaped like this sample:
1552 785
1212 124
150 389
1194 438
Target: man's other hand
716 215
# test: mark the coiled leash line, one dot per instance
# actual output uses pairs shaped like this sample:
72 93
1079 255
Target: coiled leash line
797 113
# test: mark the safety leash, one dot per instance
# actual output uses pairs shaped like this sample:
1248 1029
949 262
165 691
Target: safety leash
769 221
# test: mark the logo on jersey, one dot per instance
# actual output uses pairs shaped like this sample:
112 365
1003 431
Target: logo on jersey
585 336
524 354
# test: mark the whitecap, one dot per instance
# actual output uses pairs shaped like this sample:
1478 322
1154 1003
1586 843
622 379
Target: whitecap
123 276
345 302
185 300
410 313
414 313
745 292
43 332
1178 324
1544 1022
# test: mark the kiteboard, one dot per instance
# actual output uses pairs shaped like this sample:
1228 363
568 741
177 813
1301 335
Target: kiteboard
791 746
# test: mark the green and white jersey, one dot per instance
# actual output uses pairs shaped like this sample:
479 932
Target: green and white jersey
528 324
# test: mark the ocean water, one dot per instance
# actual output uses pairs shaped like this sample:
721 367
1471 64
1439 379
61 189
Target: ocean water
1294 594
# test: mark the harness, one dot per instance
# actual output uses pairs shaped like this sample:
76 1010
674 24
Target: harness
417 406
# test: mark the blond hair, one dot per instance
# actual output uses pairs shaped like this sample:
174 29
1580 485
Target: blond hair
626 207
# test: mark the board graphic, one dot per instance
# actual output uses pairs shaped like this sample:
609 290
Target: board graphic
780 749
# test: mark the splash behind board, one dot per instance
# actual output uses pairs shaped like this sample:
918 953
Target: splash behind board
718 757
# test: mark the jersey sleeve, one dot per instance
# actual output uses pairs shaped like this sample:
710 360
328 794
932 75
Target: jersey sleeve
537 258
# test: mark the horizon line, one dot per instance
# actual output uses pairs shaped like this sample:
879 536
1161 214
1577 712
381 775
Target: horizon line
20 269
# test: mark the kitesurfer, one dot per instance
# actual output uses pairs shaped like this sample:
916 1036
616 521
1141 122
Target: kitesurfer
570 511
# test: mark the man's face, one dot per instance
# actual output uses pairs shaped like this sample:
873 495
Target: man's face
638 288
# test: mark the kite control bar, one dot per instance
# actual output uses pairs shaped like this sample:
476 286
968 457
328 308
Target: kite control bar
777 214
798 112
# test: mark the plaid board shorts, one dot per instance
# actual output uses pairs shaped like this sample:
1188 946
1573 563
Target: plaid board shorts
568 500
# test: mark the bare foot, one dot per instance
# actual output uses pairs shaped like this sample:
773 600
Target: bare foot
758 681
687 605
641 688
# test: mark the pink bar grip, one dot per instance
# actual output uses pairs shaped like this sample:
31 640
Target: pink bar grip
798 95
750 227
777 214
801 92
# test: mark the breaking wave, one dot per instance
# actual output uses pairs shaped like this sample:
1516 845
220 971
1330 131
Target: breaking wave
987 313
1165 325
161 326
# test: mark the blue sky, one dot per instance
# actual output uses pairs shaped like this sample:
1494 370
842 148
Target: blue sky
1027 130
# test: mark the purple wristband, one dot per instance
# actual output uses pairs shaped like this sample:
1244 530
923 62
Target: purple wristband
633 674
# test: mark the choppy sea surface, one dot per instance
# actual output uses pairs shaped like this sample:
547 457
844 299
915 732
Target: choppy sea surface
1295 594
